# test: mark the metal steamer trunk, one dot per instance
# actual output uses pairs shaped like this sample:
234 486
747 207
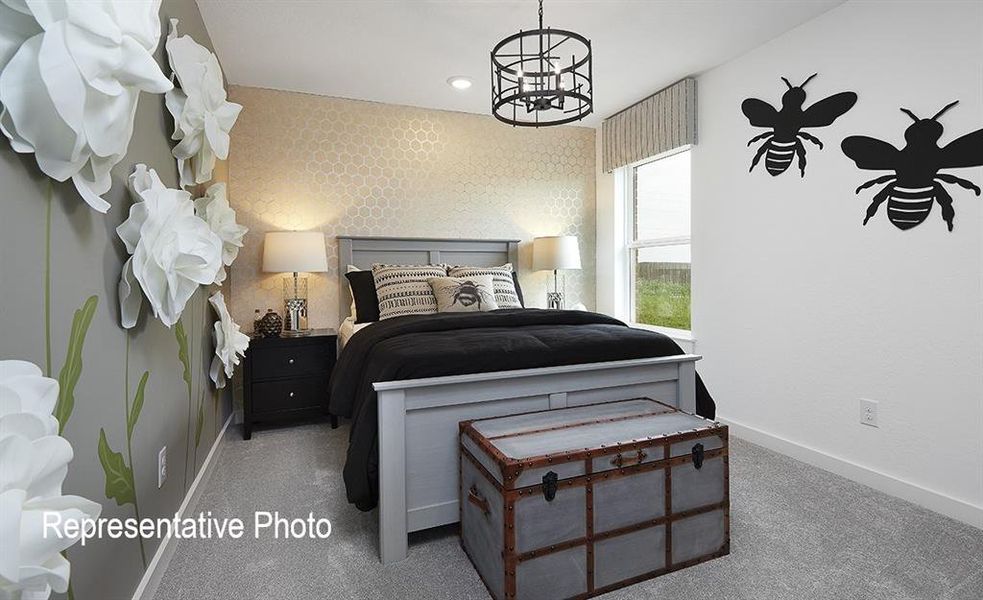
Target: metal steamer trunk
576 502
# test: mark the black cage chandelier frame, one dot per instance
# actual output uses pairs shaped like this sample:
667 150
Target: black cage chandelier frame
533 88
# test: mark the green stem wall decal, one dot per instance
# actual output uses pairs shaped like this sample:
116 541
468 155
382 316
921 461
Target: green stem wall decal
47 277
72 369
185 357
200 419
216 401
199 423
83 327
120 484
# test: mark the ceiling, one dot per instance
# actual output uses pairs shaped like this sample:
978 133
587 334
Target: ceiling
403 51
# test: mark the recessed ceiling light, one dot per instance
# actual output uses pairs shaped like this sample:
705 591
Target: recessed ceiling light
459 82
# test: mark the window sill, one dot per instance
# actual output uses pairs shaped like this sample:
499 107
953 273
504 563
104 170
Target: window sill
680 335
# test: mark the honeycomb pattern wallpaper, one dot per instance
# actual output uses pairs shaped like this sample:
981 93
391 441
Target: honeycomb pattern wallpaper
348 167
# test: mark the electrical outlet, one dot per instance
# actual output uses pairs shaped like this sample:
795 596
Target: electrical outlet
868 412
161 467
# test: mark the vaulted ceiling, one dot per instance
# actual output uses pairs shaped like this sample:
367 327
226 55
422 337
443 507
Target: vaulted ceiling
403 51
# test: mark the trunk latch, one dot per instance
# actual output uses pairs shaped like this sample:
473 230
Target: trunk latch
549 486
698 455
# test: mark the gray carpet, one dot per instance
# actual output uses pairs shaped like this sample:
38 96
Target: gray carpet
797 533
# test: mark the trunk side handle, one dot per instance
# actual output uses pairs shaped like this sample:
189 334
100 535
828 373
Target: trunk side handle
698 456
474 497
550 485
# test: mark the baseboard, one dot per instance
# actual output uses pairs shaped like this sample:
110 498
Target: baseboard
158 564
960 510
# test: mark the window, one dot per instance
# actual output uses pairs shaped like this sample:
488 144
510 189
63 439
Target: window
659 241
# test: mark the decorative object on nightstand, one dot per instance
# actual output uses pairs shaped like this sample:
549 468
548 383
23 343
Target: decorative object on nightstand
295 252
270 325
552 254
286 378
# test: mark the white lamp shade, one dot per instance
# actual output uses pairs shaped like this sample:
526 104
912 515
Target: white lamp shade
294 251
555 252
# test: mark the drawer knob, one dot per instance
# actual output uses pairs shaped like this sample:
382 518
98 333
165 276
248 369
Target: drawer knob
291 394
290 361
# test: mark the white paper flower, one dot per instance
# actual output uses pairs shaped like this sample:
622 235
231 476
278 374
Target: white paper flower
230 343
173 250
33 464
202 116
214 209
72 73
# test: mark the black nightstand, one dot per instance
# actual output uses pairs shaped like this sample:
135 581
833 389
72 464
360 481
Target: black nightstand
286 378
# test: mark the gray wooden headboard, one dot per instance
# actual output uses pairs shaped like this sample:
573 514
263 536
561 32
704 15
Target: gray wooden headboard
363 252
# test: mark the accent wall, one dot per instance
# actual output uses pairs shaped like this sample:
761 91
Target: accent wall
348 167
60 264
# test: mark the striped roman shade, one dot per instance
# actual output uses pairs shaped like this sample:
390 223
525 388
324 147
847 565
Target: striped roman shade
662 122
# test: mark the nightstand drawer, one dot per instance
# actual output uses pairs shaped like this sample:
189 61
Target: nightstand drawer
292 361
289 394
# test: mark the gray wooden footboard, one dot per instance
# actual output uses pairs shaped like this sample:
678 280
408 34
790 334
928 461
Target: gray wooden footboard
418 426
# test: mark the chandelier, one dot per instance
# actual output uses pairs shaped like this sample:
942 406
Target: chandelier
542 77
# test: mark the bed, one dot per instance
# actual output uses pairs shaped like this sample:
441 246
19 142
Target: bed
347 329
407 382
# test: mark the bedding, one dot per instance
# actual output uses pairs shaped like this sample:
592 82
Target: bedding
418 346
506 287
353 310
518 289
464 294
364 297
347 329
403 289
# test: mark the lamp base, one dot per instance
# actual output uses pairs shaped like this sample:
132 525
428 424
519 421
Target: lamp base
295 318
554 300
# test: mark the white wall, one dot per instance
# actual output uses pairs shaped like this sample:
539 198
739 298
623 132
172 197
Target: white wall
798 309
610 247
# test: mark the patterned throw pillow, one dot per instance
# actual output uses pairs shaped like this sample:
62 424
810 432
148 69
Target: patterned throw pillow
464 294
505 294
403 289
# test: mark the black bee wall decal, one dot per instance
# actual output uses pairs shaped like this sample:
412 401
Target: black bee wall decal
916 181
782 143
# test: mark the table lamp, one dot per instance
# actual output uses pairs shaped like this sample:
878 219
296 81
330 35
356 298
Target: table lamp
294 252
552 254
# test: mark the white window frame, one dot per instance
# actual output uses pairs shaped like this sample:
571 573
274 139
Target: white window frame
627 189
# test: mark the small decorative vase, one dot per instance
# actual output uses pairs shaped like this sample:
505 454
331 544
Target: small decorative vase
270 325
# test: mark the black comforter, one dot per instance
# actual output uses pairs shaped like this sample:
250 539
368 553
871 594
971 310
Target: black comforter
412 347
